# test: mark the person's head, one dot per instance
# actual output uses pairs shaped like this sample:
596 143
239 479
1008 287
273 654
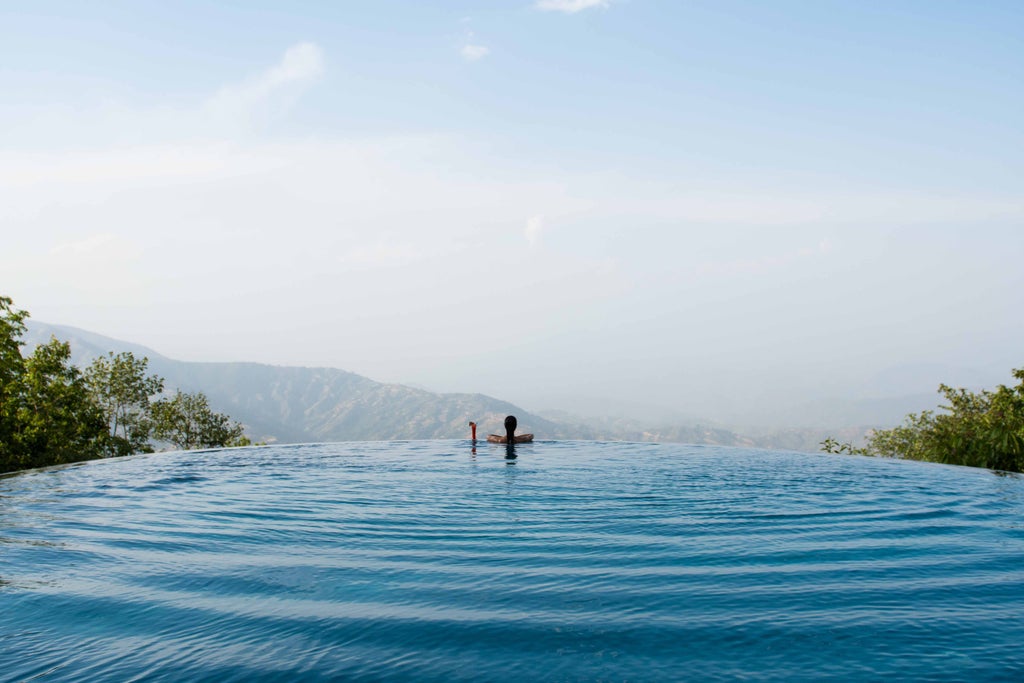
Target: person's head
510 427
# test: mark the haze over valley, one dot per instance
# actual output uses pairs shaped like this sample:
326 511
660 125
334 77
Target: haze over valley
279 404
625 218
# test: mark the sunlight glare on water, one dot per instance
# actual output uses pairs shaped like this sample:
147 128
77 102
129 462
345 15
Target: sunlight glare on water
572 561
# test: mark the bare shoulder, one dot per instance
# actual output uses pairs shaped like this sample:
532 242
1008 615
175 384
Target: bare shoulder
519 438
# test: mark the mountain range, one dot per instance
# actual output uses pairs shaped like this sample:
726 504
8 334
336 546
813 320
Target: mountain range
304 404
290 404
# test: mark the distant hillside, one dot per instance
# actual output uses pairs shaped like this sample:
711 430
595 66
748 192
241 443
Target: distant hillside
299 404
296 404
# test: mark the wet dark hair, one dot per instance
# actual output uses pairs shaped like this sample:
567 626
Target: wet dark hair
510 428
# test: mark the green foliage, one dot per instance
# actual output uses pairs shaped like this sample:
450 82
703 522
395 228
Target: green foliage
12 327
12 368
52 413
830 445
983 429
120 386
187 421
57 420
47 416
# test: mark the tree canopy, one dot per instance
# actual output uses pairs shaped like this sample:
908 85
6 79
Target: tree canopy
121 387
51 412
984 429
187 421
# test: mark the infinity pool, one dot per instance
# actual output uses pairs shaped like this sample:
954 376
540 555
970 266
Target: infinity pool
572 561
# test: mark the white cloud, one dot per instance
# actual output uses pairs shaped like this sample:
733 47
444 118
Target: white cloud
105 244
381 254
570 6
534 227
231 112
390 253
472 53
81 268
763 263
756 207
134 165
301 65
471 49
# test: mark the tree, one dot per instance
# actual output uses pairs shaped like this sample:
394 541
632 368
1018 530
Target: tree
12 369
47 416
52 413
119 384
58 422
984 429
187 421
830 445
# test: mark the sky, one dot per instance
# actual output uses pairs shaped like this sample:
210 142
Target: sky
699 207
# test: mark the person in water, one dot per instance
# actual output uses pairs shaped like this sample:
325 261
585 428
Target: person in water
510 433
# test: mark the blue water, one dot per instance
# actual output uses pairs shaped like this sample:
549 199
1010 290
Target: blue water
574 561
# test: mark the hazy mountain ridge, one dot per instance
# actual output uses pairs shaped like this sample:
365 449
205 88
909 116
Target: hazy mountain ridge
293 404
300 404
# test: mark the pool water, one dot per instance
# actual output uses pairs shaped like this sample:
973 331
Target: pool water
562 561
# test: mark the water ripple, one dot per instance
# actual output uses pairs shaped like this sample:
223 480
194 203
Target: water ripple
573 561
